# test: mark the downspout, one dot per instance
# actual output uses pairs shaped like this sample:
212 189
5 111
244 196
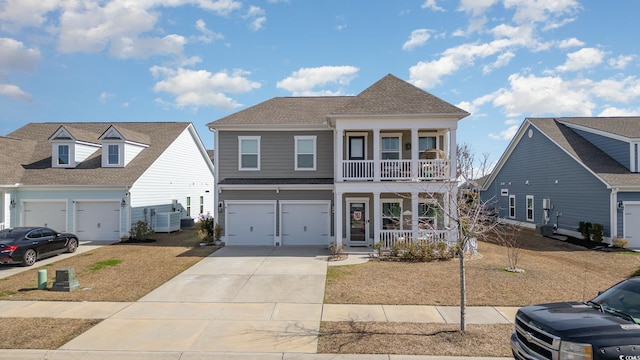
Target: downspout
613 211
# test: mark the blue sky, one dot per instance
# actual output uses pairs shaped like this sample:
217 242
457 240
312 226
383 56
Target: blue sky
200 60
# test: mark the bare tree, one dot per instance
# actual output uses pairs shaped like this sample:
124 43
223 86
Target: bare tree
471 219
507 236
468 165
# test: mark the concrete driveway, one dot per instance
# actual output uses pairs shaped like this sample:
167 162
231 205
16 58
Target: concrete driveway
240 299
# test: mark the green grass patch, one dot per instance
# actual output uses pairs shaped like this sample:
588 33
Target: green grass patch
86 254
103 264
6 293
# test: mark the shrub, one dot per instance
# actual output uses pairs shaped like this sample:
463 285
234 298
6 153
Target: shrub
336 250
204 227
420 251
620 243
585 229
141 230
597 232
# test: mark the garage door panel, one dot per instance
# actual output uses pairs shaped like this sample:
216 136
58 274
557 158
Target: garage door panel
250 224
632 224
98 220
51 214
305 224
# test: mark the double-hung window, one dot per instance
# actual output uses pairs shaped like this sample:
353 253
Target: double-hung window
427 215
512 206
63 154
529 207
390 148
305 150
427 143
249 153
391 214
114 155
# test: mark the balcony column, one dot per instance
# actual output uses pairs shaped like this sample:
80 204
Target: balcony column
376 155
415 155
414 213
337 217
338 156
453 155
377 217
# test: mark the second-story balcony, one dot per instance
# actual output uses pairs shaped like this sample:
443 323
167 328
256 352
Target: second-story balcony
398 170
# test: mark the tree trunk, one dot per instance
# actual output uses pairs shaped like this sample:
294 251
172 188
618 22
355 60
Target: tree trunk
463 293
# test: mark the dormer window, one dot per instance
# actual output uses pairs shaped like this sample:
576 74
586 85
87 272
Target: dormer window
67 150
114 155
118 150
63 154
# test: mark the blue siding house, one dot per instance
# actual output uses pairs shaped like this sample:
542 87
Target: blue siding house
561 171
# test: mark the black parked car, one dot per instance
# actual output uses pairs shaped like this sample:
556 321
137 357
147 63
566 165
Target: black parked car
607 327
25 245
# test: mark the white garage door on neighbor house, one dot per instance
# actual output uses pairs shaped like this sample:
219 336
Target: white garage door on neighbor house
98 220
632 224
305 223
51 214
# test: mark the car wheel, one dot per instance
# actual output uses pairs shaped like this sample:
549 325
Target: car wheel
29 258
72 245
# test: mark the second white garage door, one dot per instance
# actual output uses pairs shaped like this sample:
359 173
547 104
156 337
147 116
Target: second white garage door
251 223
98 220
51 214
305 223
632 224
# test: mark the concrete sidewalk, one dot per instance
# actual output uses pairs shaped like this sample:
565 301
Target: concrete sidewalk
238 303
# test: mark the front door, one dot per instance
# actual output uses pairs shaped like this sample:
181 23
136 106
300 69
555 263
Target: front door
357 223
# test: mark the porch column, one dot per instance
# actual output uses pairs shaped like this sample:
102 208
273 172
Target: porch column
414 214
613 210
453 155
338 156
376 155
415 154
6 210
377 217
337 218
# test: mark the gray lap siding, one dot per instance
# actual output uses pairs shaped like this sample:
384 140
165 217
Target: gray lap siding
277 155
538 167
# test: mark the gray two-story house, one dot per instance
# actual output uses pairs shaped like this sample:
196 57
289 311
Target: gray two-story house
378 166
567 170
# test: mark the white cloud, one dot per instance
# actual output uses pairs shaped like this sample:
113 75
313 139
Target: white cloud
621 61
614 111
544 95
541 11
503 60
207 36
15 92
506 134
104 96
431 4
196 88
417 38
584 58
623 90
95 25
476 7
256 16
15 56
567 43
303 81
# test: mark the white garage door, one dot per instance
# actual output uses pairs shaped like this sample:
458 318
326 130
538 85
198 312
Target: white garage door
98 220
52 214
632 224
305 223
250 224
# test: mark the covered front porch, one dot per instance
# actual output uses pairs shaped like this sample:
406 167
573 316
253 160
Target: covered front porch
363 219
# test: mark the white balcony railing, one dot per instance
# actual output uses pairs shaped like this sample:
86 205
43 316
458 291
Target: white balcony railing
390 237
363 170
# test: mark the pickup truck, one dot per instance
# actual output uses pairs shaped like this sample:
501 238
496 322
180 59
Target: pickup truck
607 327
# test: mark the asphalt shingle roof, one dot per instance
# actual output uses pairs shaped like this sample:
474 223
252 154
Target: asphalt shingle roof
607 168
29 159
388 96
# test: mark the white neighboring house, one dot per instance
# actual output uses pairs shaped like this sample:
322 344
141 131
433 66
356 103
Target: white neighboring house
98 179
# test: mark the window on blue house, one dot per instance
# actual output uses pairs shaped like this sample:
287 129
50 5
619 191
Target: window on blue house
512 206
529 207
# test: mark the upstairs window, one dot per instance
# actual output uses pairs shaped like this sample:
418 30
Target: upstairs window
390 148
63 154
427 143
114 155
305 149
249 153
